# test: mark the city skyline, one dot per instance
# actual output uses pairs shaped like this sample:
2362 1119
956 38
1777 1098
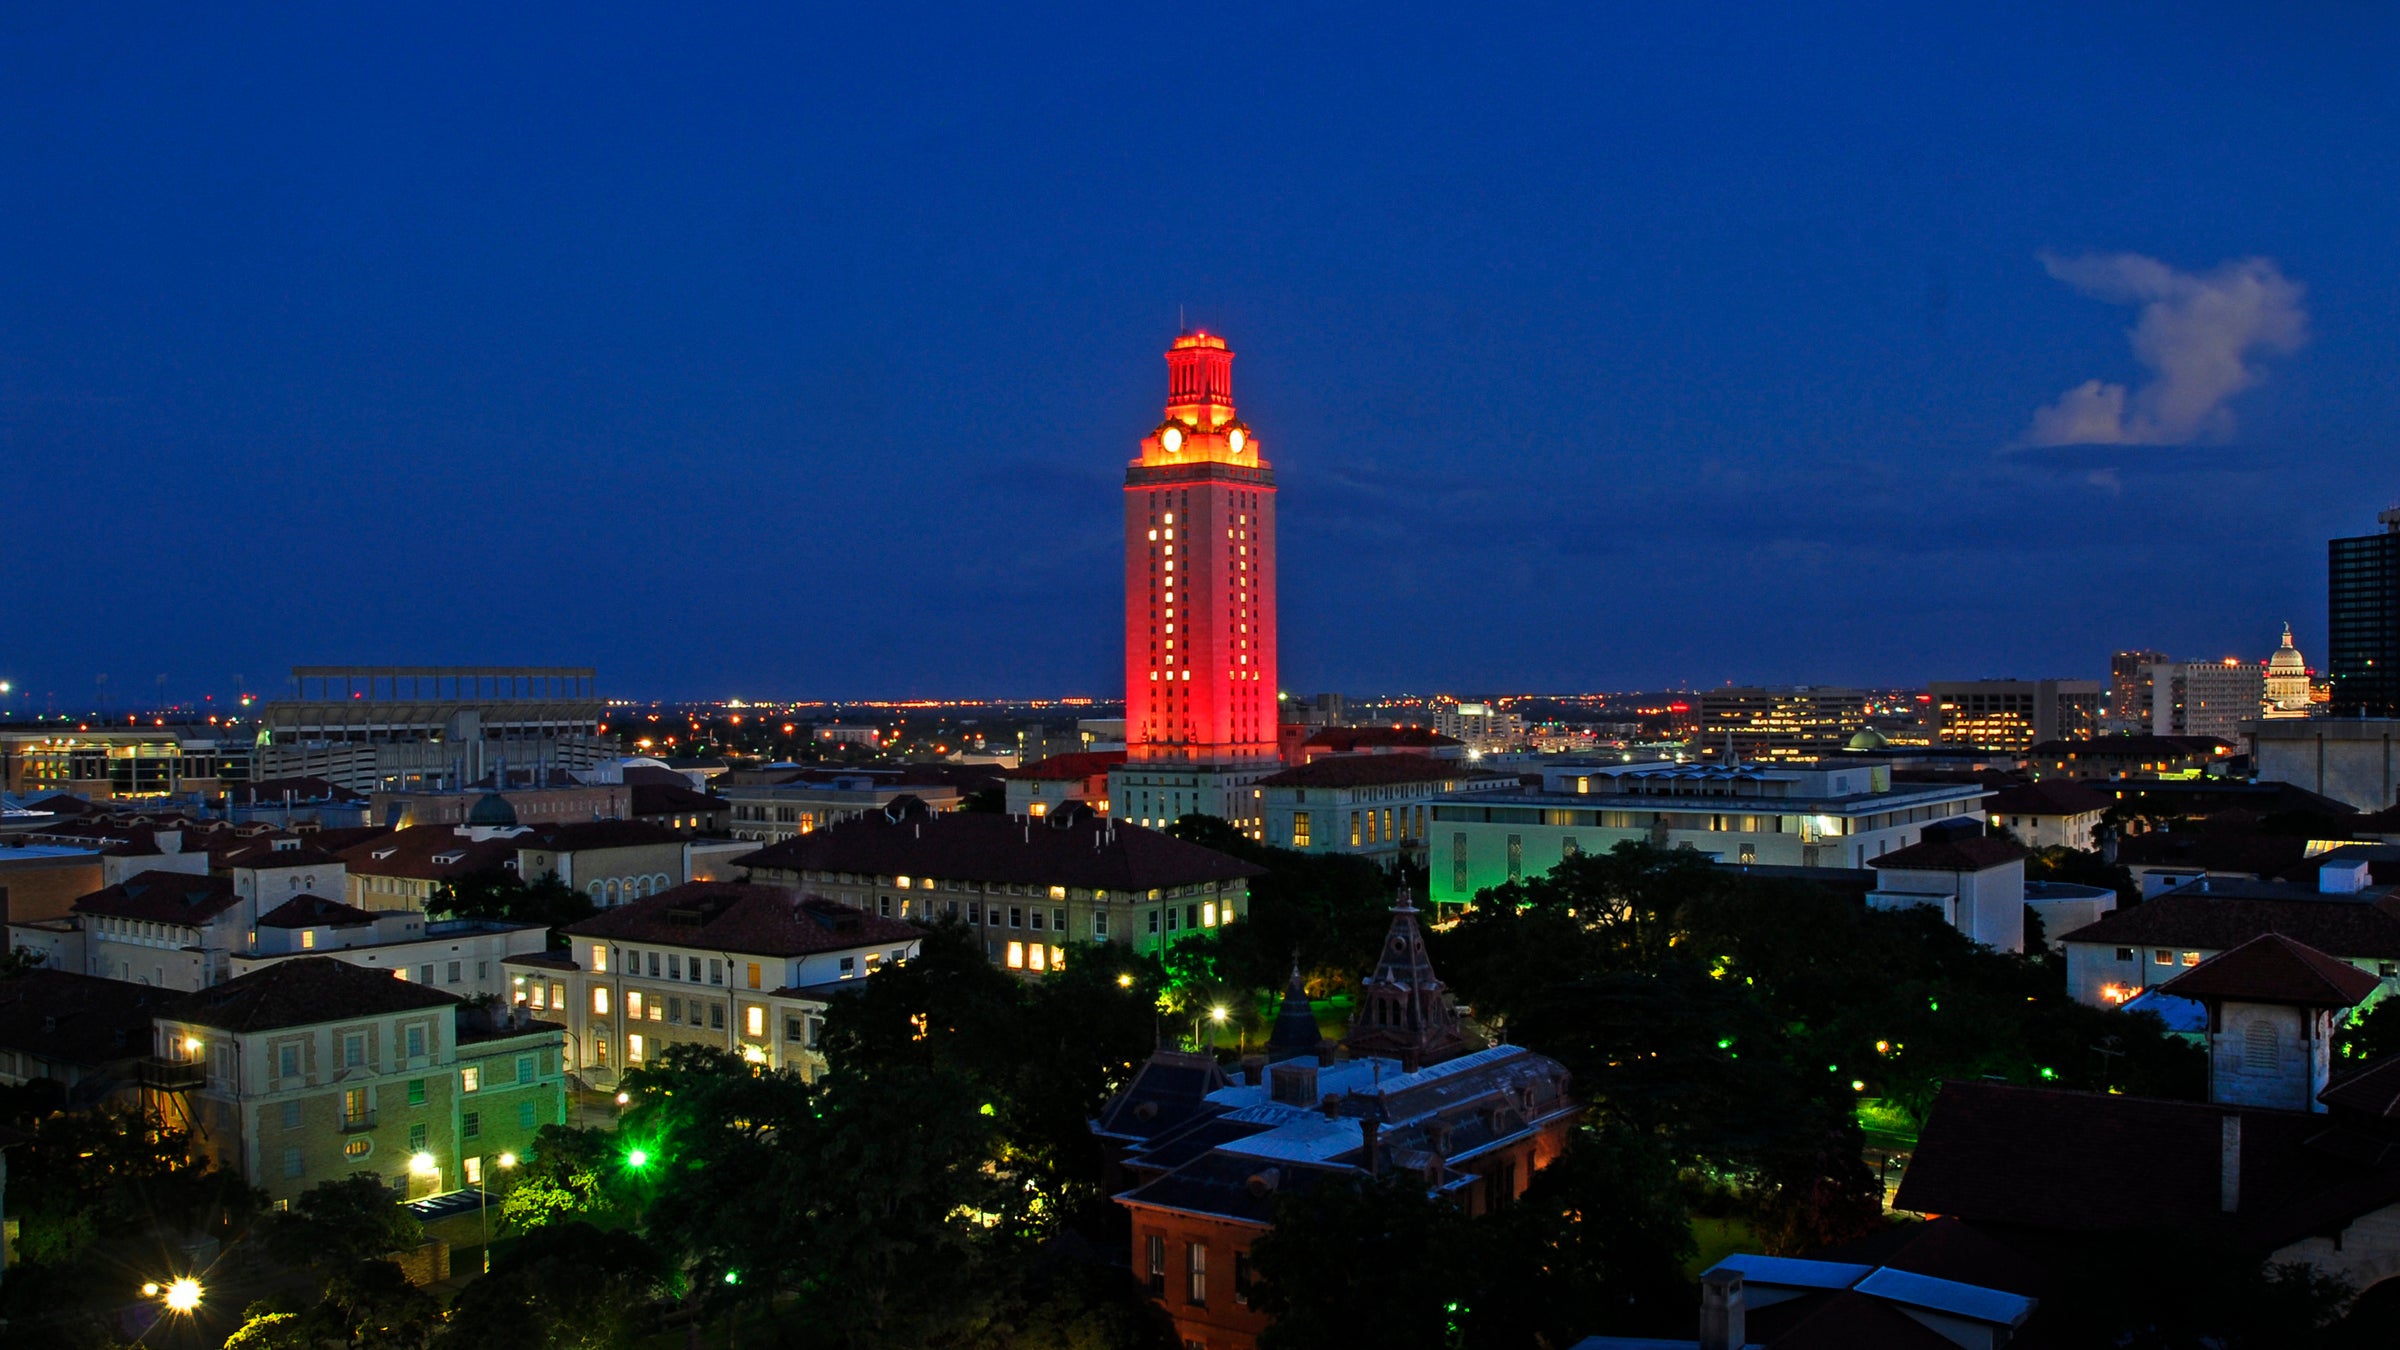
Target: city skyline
496 351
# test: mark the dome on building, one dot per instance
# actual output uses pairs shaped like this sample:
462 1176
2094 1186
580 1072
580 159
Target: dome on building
2287 659
1868 738
492 809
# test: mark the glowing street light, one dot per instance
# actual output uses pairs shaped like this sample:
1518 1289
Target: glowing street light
182 1295
637 1159
423 1164
1125 981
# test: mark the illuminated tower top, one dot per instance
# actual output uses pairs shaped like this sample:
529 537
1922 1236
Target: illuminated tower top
1200 575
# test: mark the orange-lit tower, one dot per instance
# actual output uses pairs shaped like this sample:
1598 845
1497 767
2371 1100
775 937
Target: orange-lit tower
1199 584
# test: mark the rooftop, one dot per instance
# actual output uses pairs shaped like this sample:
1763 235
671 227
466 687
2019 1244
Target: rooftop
2272 968
304 991
314 911
162 897
1340 771
1972 853
1068 768
2348 926
749 919
77 1019
1068 849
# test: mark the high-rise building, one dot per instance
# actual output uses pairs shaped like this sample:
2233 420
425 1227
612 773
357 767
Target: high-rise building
1741 723
2206 698
2128 688
1200 706
2362 611
2013 714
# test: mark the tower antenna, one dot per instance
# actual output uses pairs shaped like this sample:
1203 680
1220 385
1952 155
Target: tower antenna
1181 325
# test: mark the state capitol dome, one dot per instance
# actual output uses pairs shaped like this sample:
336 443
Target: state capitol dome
2287 659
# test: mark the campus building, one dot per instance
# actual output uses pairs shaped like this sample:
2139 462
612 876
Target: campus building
1773 815
403 728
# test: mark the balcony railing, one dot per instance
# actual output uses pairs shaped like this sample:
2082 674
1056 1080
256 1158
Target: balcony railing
173 1075
358 1124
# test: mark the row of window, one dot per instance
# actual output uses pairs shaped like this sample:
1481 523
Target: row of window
1195 1271
357 1148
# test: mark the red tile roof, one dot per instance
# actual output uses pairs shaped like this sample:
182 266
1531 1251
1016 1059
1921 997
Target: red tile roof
2050 797
262 852
596 834
1060 850
2373 1090
1971 854
314 911
1337 771
749 919
304 991
162 897
2342 925
412 854
82 1020
2273 968
2088 1162
1338 739
1068 768
666 799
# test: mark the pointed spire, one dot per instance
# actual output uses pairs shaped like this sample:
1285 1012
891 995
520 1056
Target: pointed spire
1295 1032
1404 1009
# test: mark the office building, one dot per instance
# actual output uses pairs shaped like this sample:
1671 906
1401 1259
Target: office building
404 728
2350 759
1750 723
130 764
1200 694
1484 728
2129 689
2013 714
2206 698
1839 816
2362 612
811 799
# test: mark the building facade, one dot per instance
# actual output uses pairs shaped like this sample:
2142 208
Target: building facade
1200 626
2289 687
2129 689
311 1070
2206 698
1751 723
1027 886
1787 815
2013 714
2362 621
738 967
1370 806
399 728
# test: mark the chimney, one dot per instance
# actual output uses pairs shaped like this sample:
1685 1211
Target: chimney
1371 1128
1723 1311
2229 1167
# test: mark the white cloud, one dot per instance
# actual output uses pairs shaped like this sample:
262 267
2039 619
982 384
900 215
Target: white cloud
2197 335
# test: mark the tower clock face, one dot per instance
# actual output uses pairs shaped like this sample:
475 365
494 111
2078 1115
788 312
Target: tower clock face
1172 438
1238 439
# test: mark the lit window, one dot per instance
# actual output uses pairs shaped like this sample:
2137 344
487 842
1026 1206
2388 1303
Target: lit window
633 1049
600 1000
1016 956
2191 958
308 938
633 1004
470 1079
754 1021
599 959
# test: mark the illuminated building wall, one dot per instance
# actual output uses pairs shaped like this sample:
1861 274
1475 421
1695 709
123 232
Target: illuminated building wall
2013 714
1200 575
1803 722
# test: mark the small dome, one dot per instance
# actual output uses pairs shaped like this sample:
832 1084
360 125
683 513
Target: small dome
1868 738
2286 659
492 809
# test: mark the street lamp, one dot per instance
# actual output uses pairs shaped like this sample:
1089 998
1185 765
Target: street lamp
1125 981
182 1295
506 1161
637 1159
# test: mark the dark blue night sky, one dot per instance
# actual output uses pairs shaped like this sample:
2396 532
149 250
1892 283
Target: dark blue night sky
801 356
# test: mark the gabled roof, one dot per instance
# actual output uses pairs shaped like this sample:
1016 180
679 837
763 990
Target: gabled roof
2050 797
314 911
2373 1090
302 992
262 852
2345 926
1971 854
1335 771
2272 968
1077 851
428 853
162 897
746 919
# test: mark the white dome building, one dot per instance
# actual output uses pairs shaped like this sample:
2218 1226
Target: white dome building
2287 680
